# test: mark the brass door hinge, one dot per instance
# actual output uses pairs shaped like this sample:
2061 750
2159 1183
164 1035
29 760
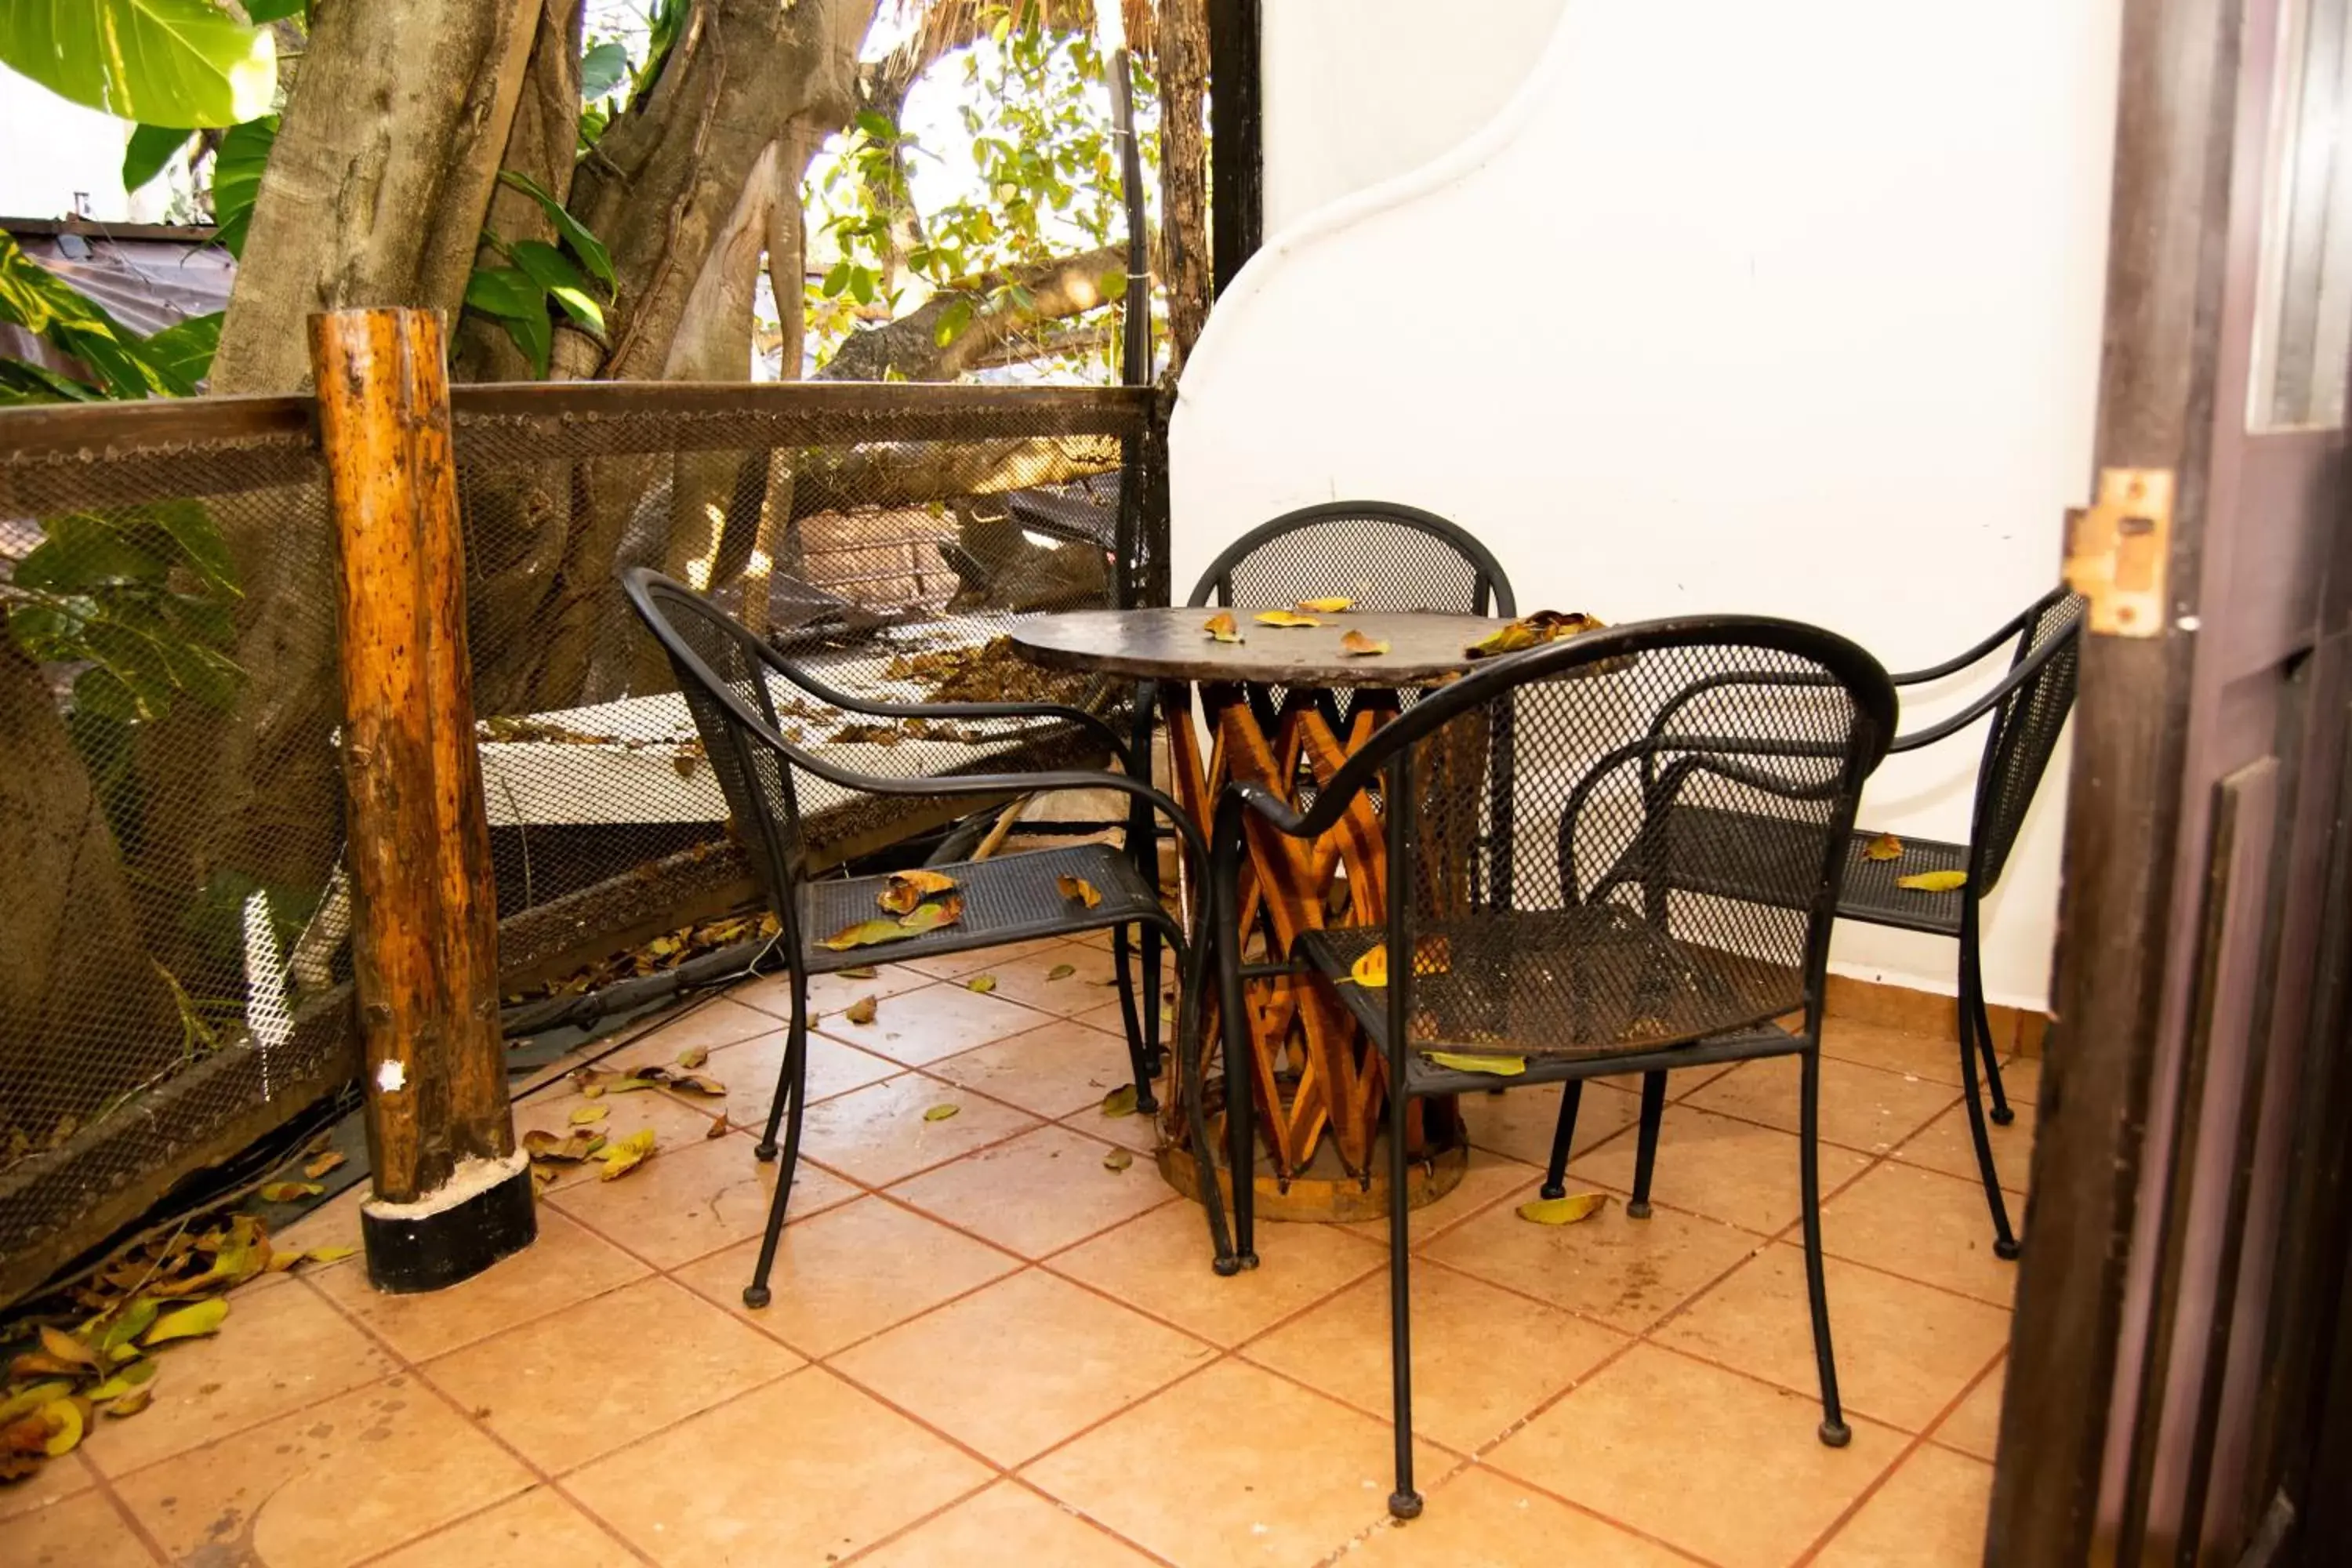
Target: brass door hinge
2117 552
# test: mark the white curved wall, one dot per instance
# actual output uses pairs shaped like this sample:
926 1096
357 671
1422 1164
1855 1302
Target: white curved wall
1791 307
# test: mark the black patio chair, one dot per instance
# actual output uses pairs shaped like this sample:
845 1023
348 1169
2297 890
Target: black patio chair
727 675
1628 953
2029 707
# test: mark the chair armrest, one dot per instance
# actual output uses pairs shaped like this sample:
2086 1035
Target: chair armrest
1960 661
2025 670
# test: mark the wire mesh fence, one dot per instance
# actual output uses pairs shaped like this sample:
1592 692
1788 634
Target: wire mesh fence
174 922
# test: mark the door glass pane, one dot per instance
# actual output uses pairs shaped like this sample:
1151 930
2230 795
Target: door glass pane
2303 314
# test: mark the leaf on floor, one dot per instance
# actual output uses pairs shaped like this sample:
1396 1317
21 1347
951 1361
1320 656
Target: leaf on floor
1119 1101
1933 881
1118 1159
699 1083
693 1057
582 1115
940 1113
323 1163
1078 889
62 1346
1885 846
983 983
1061 972
123 1382
1471 1061
859 971
1563 1211
860 1011
547 1148
195 1319
626 1155
1356 645
329 1254
1322 606
908 888
718 1129
1222 627
129 1405
290 1192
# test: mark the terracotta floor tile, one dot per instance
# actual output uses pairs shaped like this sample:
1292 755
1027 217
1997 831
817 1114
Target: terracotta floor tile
879 1134
576 1386
848 1273
1102 1012
713 1022
280 1350
804 1470
1482 1357
921 1026
53 1482
1017 1367
1929 1514
1923 1225
1061 1069
566 1264
1255 1469
1715 1464
1490 1178
82 1531
1732 1170
2021 1080
1007 1523
749 1070
1975 1427
1626 1273
1933 1057
676 1122
695 1198
1945 1144
1025 979
538 1529
363 1473
1478 1517
1519 1121
1904 1351
976 961
772 993
1863 1108
1138 1134
335 1223
1159 1262
1038 1193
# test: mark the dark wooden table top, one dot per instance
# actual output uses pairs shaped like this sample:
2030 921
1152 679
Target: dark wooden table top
1424 648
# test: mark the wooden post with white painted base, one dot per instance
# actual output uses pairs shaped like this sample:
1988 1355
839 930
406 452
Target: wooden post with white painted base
453 1195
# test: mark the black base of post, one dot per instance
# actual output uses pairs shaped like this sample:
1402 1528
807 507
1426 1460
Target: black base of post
428 1252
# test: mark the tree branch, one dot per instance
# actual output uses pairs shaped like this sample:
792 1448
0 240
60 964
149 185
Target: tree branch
908 348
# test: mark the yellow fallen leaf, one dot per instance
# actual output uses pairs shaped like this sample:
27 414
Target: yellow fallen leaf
195 1319
1323 606
858 971
908 888
67 1418
1356 645
1061 972
290 1192
1563 1211
123 1382
866 933
1885 846
1510 639
693 1057
1287 618
1079 889
699 1083
932 917
1431 955
323 1163
1372 968
131 1404
329 1254
1221 627
626 1155
1118 1160
568 1150
1933 881
1119 1101
983 983
1470 1061
25 1401
940 1113
582 1115
860 1011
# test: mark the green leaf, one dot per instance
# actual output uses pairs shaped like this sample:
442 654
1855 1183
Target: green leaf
186 348
584 245
243 154
534 337
82 552
876 124
603 70
861 284
259 11
835 281
37 300
552 270
507 291
22 381
953 320
162 62
1113 284
150 147
188 1321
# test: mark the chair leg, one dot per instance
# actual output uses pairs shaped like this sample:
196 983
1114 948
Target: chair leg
766 1148
1138 1060
1972 999
1563 1133
1404 1502
1149 999
1645 1153
1834 1432
795 1086
1241 1099
2004 1240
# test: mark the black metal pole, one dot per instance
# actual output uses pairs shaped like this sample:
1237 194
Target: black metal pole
1134 318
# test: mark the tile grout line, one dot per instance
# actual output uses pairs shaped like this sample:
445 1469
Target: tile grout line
104 1485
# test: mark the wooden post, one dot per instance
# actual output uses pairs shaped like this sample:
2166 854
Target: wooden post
452 1195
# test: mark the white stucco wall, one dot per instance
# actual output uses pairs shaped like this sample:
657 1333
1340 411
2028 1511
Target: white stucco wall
51 150
1790 308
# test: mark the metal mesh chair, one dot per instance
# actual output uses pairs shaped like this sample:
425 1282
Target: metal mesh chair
732 681
1629 951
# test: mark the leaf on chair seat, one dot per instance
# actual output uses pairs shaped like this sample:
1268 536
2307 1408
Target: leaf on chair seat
1933 881
1323 606
940 1113
323 1163
1563 1211
1885 846
1469 1061
1372 968
983 983
908 888
1119 1101
860 1011
1221 627
1078 889
933 917
1431 955
1287 618
1355 643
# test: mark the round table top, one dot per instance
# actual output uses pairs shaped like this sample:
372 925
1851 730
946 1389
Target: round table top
1425 647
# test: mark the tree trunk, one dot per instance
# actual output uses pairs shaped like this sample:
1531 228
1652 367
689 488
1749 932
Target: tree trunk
910 348
542 141
1183 173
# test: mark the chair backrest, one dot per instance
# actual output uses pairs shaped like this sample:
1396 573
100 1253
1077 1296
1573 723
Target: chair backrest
1701 816
1383 555
2025 726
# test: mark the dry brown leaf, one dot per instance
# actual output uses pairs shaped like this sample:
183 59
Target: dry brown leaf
1323 606
718 1128
1563 1211
323 1163
907 889
1222 627
582 1115
290 1192
1061 972
1885 846
1079 889
1356 645
1287 618
1119 1101
1118 1160
62 1346
860 1011
1933 881
568 1150
693 1057
983 983
626 1155
940 1113
858 971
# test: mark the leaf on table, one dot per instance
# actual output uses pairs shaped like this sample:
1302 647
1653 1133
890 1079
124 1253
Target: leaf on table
131 1404
323 1163
290 1192
1119 1101
983 983
940 1113
859 971
1118 1159
1061 972
1222 627
1356 645
195 1319
1079 890
1471 1061
1885 846
699 1083
582 1115
1563 1211
693 1057
1322 606
626 1155
907 889
1933 881
1287 618
1512 637
860 1011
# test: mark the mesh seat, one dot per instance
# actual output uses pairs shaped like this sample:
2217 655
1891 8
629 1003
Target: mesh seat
1009 899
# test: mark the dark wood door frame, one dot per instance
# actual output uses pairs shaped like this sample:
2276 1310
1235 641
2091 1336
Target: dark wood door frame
1236 161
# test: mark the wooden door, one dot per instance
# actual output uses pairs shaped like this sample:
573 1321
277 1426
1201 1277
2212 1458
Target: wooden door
2184 1238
